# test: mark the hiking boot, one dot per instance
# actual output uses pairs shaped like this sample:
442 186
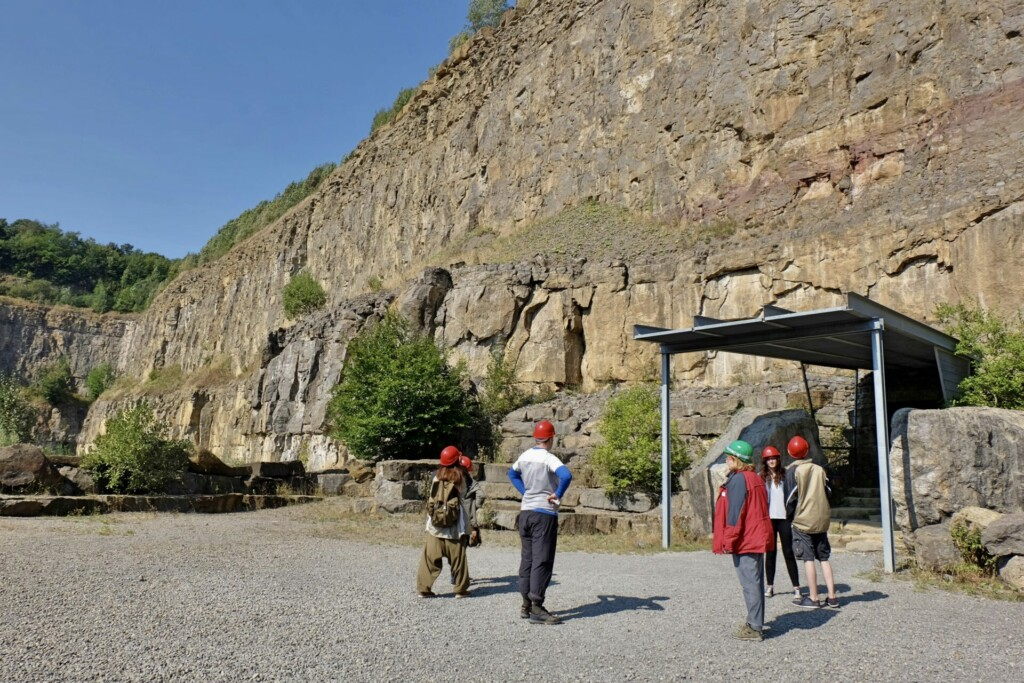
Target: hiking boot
746 633
539 615
832 603
524 610
805 601
427 594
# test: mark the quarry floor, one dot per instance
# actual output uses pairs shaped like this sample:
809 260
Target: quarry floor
290 595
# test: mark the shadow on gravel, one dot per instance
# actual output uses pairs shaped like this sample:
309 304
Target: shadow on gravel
495 585
799 619
609 604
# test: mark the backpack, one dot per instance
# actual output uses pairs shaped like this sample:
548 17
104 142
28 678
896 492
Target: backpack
443 504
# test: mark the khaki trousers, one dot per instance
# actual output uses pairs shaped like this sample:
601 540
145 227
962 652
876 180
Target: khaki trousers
434 551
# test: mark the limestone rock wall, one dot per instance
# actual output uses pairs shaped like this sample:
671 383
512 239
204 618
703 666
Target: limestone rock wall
822 147
33 335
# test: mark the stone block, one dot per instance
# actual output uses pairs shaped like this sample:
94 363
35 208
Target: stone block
498 490
496 472
407 470
1011 570
401 506
332 483
278 470
398 490
1005 535
20 507
933 548
73 505
598 499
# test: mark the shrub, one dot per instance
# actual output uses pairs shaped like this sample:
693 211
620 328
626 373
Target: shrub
398 397
303 295
15 412
629 458
384 116
967 539
997 350
55 382
133 456
99 379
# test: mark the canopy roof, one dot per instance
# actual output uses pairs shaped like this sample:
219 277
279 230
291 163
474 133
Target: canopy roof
835 337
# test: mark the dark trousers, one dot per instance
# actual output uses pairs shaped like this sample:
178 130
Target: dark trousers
538 534
784 531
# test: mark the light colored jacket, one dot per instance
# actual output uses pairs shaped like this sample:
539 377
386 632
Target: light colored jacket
808 497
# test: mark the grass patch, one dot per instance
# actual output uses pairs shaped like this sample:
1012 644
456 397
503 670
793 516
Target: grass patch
963 578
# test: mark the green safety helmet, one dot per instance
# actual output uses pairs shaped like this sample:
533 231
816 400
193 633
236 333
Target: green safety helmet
741 450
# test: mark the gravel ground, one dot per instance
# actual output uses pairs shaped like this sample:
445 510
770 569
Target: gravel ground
267 596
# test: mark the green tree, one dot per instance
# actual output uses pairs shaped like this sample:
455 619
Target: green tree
134 455
398 396
15 412
99 380
996 348
484 13
302 295
629 458
55 382
500 395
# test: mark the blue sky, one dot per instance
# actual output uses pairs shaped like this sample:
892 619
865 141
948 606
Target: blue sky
154 123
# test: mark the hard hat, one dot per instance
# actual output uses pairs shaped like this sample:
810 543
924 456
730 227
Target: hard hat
741 450
466 463
770 452
544 430
449 456
798 447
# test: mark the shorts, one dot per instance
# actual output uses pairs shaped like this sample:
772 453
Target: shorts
810 547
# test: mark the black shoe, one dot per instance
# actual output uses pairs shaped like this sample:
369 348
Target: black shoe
539 615
524 611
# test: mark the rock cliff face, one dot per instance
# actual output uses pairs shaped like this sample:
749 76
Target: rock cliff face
821 147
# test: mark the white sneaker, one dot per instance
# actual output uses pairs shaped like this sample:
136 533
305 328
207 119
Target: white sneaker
769 592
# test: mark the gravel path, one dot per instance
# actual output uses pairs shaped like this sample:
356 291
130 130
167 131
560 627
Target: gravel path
265 596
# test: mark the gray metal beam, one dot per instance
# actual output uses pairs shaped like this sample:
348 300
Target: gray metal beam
666 454
882 447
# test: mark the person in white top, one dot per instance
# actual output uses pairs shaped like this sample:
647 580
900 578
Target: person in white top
775 481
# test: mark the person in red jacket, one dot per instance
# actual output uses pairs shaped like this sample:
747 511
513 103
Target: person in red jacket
743 529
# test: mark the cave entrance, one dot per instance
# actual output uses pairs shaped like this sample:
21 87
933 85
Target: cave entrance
860 335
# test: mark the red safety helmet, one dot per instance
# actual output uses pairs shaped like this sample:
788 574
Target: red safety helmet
798 447
770 452
544 430
449 456
466 463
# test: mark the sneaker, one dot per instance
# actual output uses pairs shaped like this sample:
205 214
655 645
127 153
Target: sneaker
746 633
796 593
769 592
427 594
539 615
832 603
805 601
463 594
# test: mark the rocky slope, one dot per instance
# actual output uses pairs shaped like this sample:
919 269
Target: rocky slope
818 147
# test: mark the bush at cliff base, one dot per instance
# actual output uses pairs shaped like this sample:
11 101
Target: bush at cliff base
15 413
133 456
398 397
628 460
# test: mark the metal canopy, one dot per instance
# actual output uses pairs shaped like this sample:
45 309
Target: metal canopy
860 335
834 337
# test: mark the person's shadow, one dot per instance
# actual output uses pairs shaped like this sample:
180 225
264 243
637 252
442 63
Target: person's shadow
800 619
609 604
493 585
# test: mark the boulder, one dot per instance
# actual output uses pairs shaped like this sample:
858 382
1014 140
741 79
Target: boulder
332 483
205 462
933 547
81 478
1005 536
25 469
20 507
975 517
598 499
944 460
278 470
1011 570
361 471
406 470
758 427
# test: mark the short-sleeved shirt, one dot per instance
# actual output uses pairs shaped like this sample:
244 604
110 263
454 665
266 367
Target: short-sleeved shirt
537 466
